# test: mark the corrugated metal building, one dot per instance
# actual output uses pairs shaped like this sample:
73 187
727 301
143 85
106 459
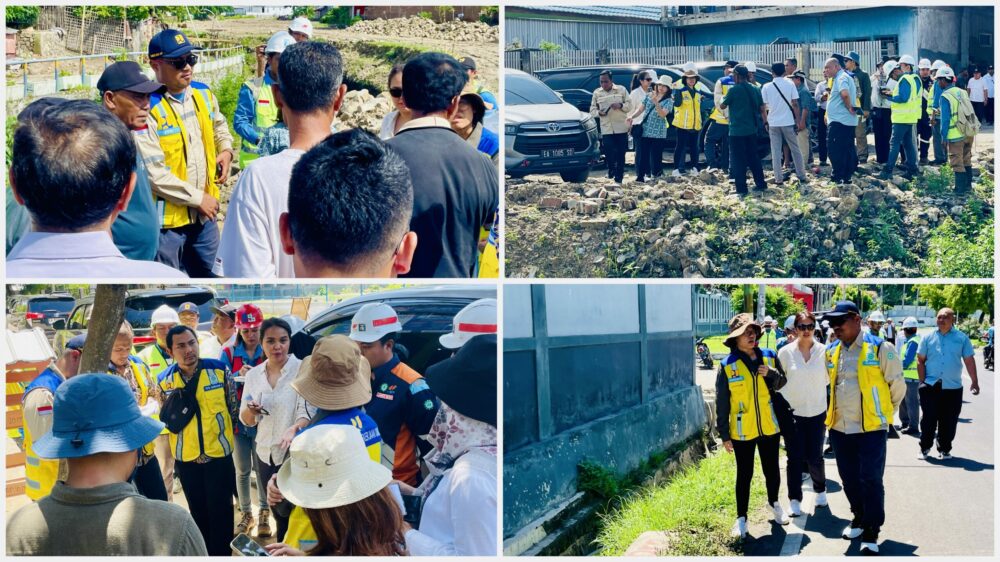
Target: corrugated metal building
588 27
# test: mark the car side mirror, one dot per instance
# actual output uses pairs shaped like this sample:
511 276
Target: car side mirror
59 324
560 96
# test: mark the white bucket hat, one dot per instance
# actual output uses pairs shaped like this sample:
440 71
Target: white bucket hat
302 25
328 466
476 319
374 320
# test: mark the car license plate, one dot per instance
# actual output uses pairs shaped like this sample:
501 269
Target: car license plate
558 152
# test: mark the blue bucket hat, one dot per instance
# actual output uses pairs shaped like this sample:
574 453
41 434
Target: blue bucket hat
854 56
95 413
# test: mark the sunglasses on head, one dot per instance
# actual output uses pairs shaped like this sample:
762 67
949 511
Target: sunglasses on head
806 327
181 63
396 92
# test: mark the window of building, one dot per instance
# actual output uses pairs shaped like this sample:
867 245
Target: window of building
986 40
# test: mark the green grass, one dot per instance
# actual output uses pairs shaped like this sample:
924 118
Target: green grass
715 345
696 508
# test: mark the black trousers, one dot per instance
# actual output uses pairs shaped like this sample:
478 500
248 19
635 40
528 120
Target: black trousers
743 450
654 153
208 489
940 408
717 145
149 481
742 155
924 133
821 133
980 109
882 126
641 152
264 472
687 145
843 156
861 464
989 110
614 154
804 439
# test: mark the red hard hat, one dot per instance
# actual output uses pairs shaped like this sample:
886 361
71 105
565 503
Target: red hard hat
249 316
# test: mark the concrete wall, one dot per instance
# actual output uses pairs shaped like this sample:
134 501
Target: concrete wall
604 372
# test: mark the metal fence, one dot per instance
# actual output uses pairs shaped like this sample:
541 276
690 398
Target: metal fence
712 313
90 35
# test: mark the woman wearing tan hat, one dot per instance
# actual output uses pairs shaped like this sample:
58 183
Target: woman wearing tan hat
745 415
344 493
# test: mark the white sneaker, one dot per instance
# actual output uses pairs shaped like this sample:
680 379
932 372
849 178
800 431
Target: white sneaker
851 532
676 173
925 454
694 172
869 549
779 514
821 500
740 527
796 509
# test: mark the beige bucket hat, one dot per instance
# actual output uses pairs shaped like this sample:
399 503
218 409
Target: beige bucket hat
335 376
738 326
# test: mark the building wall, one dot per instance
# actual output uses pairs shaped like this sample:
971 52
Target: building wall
588 35
598 372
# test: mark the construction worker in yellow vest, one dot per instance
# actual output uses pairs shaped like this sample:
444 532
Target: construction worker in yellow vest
866 387
187 149
906 106
204 446
687 119
157 359
147 478
769 335
40 475
256 109
956 139
909 410
717 136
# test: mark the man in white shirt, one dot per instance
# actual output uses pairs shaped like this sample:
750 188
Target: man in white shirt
782 99
991 93
73 168
978 93
310 90
223 332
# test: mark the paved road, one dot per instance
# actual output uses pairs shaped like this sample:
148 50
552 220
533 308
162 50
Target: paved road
933 508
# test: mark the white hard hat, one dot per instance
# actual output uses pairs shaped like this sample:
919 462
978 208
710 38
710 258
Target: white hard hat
945 72
373 321
889 66
790 322
302 25
907 59
924 63
164 315
751 66
825 323
768 319
475 319
278 42
876 316
910 322
938 65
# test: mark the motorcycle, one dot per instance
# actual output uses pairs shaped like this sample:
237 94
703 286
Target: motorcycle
703 354
987 354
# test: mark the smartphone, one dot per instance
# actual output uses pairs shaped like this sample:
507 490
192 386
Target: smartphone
245 546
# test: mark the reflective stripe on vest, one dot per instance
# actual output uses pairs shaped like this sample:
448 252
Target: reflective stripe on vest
265 116
173 141
751 413
717 114
768 340
688 114
876 401
908 112
954 106
910 371
39 474
216 423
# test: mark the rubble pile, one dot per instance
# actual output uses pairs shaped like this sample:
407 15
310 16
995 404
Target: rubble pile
423 28
361 110
698 227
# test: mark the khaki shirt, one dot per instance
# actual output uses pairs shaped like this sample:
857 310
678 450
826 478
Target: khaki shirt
39 425
164 183
847 411
615 121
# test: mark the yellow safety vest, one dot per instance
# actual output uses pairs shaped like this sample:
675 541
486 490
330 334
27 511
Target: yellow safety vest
172 134
954 106
39 474
216 423
266 113
768 340
876 401
910 371
751 412
688 114
143 380
717 114
908 112
155 360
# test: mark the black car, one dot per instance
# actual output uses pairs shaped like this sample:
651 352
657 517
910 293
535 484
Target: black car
43 311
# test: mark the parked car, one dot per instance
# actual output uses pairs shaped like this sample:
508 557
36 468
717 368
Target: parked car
41 311
543 133
139 307
425 313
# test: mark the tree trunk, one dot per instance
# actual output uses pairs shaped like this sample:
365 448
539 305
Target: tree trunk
109 307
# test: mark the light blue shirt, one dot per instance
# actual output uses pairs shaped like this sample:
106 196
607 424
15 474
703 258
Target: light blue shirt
91 255
836 111
944 353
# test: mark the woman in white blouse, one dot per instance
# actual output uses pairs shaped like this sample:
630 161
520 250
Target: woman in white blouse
804 364
269 403
399 116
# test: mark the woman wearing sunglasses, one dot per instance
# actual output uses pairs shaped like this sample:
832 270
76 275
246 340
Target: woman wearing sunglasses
804 364
399 116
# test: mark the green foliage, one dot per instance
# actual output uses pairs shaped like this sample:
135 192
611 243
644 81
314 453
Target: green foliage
227 91
964 299
203 13
490 15
446 13
426 15
20 17
955 251
597 480
778 303
549 47
339 17
304 11
854 293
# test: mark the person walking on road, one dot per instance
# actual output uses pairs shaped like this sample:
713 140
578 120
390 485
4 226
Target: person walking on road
866 387
841 121
909 411
939 365
803 363
641 89
746 117
746 421
611 105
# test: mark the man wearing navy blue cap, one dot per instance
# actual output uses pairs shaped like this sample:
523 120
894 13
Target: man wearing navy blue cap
125 91
862 103
98 428
188 149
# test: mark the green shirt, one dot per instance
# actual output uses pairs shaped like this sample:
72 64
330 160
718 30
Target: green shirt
743 101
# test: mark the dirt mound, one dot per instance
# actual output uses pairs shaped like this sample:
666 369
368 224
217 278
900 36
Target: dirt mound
363 110
423 28
698 227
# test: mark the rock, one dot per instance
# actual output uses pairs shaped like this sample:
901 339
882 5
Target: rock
589 208
586 237
688 194
829 244
707 178
592 192
873 197
594 224
603 194
898 181
704 265
849 247
848 205
574 205
628 204
551 203
933 214
691 271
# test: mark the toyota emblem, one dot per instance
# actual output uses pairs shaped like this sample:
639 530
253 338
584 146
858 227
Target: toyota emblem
553 127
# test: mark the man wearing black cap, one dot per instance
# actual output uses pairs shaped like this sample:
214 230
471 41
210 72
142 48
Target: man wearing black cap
866 387
125 91
717 137
188 149
746 118
469 64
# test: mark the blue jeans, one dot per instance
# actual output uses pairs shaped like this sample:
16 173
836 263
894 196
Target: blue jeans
190 248
940 154
243 458
903 137
909 410
861 464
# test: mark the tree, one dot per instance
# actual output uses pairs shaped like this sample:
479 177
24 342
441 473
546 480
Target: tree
109 302
304 11
21 17
963 299
779 303
865 300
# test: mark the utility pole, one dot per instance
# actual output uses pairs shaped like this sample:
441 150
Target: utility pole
761 301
